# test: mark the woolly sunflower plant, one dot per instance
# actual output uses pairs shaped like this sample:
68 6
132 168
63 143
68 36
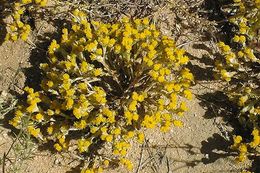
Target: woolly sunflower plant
104 84
239 66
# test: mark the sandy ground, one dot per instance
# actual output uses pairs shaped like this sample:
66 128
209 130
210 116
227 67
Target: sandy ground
199 147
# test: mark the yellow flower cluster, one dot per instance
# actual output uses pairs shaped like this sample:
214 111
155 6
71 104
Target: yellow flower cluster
243 147
237 60
238 67
107 82
18 29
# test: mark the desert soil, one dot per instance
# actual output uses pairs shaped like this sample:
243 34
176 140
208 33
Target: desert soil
199 147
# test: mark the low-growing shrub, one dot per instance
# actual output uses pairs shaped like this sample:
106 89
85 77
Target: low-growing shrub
239 66
105 83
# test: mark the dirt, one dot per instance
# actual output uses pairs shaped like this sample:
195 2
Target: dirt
201 146
14 56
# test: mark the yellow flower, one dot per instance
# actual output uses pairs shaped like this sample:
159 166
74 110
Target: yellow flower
65 77
130 134
157 67
32 108
53 47
14 37
58 147
93 129
105 41
50 112
141 97
183 106
242 157
109 138
145 21
129 116
77 113
226 75
43 3
99 51
242 100
236 38
242 39
154 74
169 87
18 113
39 117
117 48
140 137
240 54
132 105
83 145
243 148
82 124
117 131
70 92
97 72
255 132
188 94
50 130
255 142
177 123
135 96
69 103
184 60
111 42
226 49
106 162
237 139
33 131
161 79
135 116
187 75
14 122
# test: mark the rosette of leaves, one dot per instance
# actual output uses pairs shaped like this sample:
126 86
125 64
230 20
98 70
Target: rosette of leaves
105 83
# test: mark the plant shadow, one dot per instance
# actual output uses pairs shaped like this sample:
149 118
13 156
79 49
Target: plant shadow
215 147
213 11
202 67
211 150
217 104
3 30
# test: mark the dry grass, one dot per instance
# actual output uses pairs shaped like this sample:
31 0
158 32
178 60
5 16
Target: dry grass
22 146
